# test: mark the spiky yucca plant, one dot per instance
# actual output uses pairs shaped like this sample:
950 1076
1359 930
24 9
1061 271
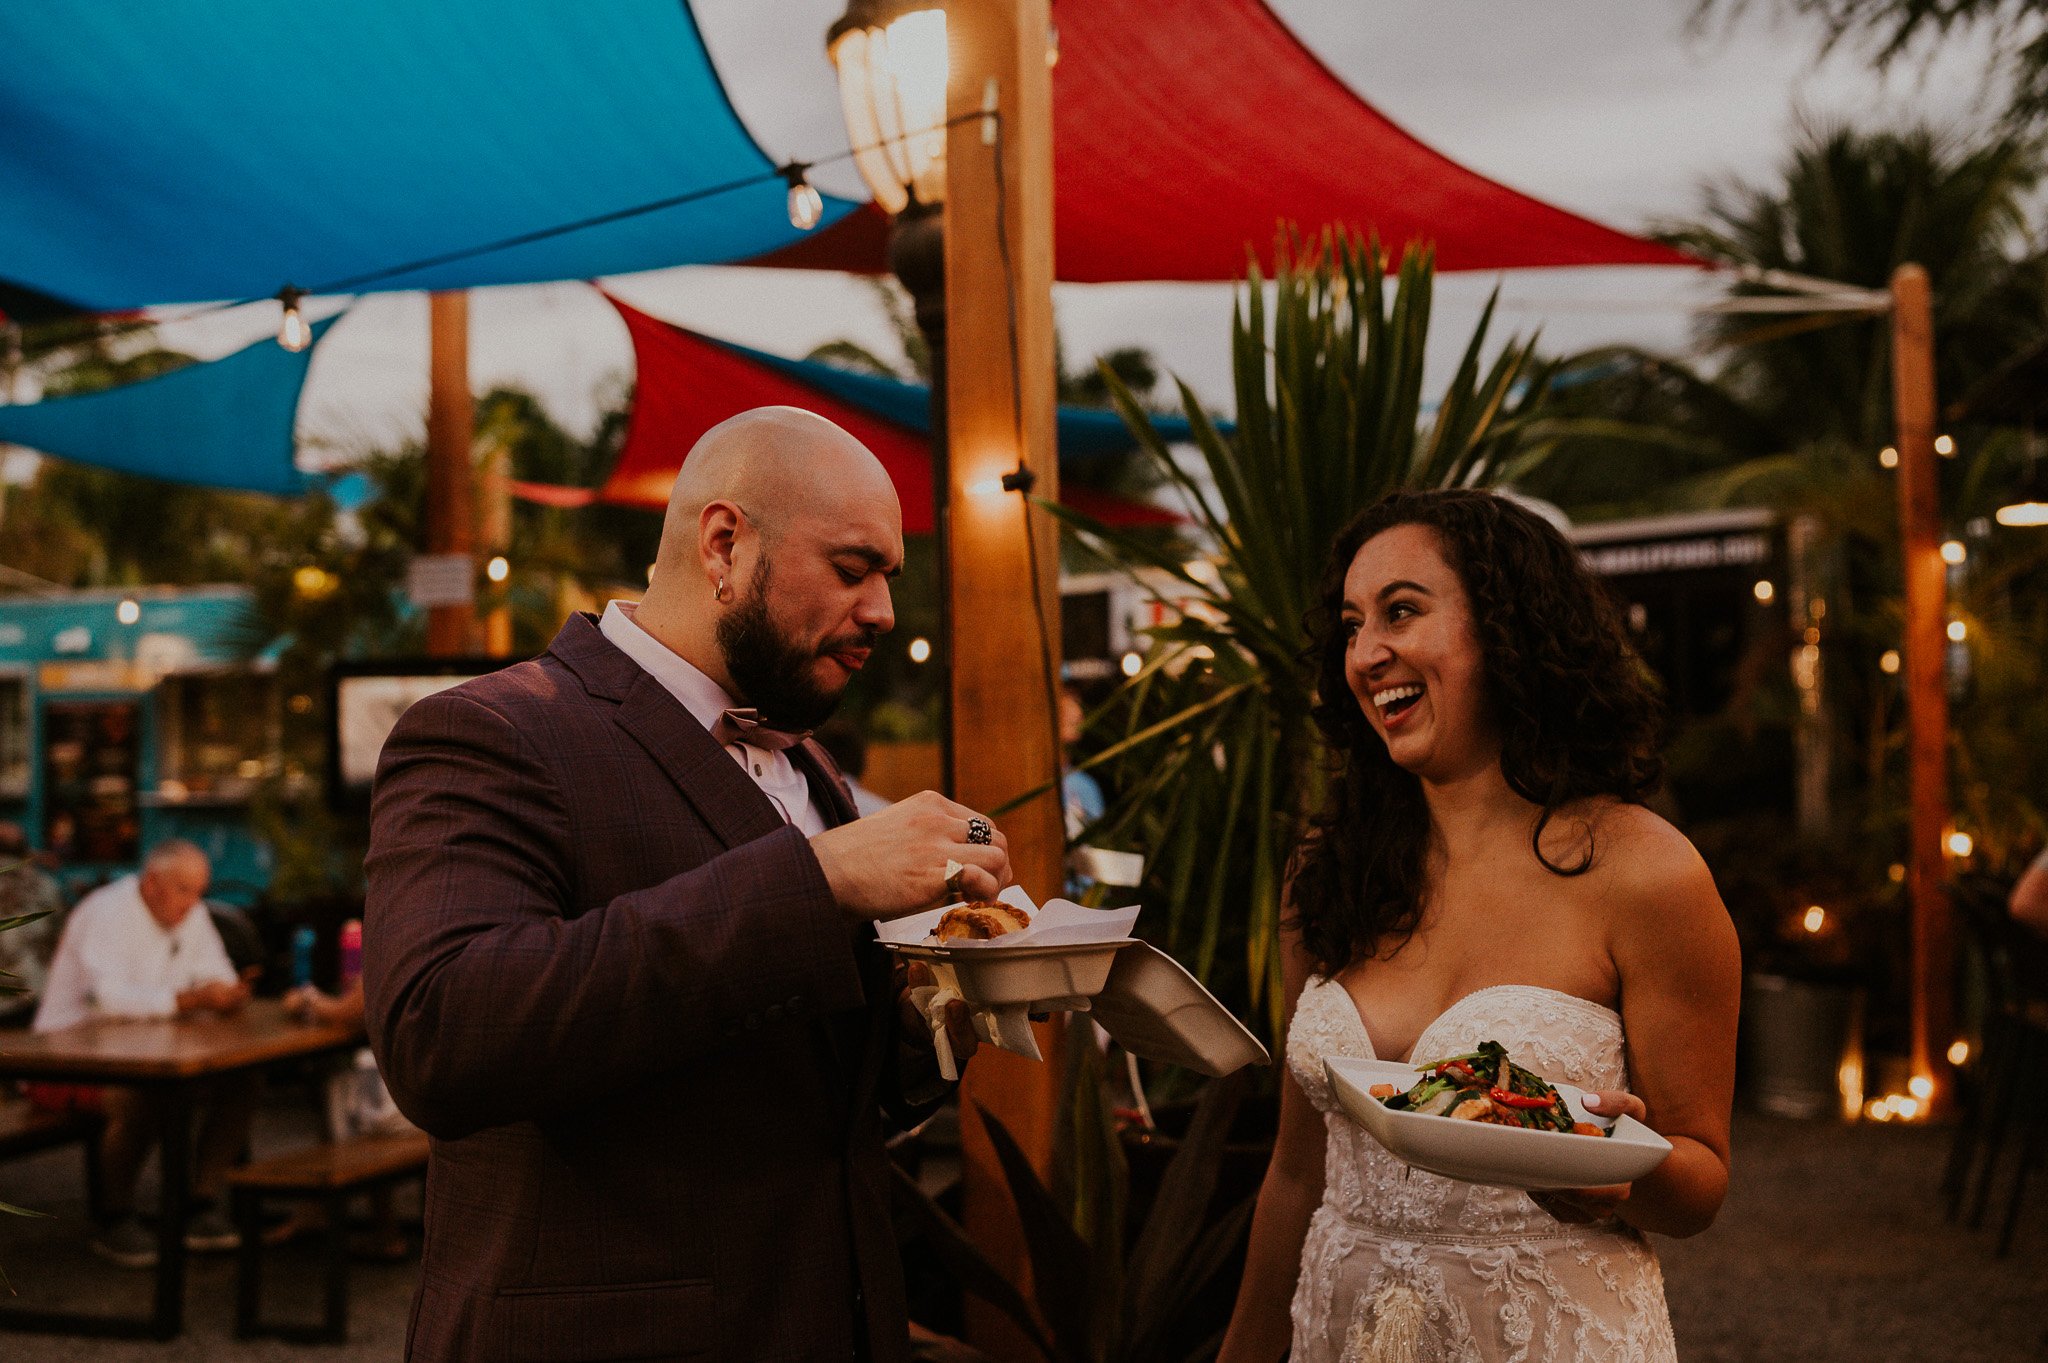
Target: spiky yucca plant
1211 751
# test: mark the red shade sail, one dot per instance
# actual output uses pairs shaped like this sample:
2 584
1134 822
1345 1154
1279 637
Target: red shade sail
1185 132
688 383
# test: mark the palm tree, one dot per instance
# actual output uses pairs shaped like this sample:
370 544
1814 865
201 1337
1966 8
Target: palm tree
1807 401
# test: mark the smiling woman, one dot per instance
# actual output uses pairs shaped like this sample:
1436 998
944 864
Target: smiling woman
1483 869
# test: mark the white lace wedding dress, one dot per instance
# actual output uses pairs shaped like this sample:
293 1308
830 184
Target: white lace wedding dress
1401 1266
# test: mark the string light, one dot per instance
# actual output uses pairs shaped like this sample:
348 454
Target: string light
920 650
1959 1053
2023 513
1945 446
806 205
1953 552
292 332
1896 872
1921 1087
129 611
1888 661
1816 918
312 581
1888 457
1961 844
1766 591
498 569
1133 665
1957 631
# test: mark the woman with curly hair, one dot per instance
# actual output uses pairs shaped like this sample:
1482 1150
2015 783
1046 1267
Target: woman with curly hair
1484 869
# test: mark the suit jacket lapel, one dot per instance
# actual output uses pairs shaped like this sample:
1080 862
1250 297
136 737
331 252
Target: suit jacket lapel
737 812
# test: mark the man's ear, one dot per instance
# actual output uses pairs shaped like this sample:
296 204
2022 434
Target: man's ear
718 527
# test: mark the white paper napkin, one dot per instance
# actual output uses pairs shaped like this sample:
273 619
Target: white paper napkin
1059 922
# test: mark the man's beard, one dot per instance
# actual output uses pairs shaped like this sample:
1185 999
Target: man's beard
773 672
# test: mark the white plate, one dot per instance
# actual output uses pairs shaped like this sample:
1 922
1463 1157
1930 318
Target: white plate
1051 979
1158 1011
1504 1156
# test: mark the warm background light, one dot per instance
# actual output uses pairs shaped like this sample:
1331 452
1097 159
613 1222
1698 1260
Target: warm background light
1957 631
1765 590
2023 513
1944 445
1888 661
498 569
129 611
920 650
1816 918
1888 457
1959 1053
1921 1087
1961 844
1953 551
1133 664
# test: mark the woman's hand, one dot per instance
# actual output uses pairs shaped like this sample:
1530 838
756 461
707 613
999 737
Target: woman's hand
1582 1206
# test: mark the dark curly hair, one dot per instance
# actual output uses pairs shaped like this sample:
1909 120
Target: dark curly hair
1577 713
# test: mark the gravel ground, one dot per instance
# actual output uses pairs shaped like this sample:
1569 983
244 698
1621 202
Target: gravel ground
1832 1247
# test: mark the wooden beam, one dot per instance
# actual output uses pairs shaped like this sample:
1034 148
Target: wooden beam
1926 679
450 426
1004 736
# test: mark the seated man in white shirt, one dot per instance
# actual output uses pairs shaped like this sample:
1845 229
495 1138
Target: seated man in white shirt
145 947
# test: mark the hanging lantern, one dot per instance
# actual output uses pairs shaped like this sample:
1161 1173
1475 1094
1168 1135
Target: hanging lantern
891 59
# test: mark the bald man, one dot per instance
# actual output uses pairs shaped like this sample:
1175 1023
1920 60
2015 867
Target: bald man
619 951
144 946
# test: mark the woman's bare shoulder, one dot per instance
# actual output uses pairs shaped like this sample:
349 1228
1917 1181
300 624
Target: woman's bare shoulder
1638 856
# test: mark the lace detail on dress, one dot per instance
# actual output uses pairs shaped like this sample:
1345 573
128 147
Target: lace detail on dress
1402 1266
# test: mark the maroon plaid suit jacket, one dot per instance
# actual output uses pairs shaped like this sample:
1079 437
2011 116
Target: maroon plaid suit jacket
614 987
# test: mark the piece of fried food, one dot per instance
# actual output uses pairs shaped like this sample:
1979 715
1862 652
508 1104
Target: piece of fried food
979 922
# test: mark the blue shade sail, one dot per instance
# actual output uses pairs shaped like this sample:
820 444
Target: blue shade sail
1085 433
226 423
171 151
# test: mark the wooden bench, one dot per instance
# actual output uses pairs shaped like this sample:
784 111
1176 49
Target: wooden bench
26 1129
331 1175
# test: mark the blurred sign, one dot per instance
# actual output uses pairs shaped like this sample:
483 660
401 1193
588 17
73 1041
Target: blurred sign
442 580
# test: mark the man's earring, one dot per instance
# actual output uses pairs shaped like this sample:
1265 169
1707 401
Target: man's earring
719 593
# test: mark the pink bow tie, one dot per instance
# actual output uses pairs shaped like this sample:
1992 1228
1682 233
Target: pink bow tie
745 726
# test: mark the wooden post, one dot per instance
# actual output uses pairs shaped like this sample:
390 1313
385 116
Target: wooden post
450 428
1004 740
1926 677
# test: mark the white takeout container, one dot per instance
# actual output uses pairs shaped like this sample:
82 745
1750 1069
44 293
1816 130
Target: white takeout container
1157 1011
1504 1156
1079 960
1046 979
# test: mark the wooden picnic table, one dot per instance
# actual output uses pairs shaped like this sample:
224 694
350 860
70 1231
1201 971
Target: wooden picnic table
170 1056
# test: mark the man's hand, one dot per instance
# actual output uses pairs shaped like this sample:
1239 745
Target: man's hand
960 1034
894 862
214 996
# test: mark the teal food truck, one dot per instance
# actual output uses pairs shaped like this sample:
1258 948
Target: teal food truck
131 716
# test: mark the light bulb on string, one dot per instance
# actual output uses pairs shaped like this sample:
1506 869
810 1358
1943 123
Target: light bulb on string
806 205
1953 552
292 332
1945 446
